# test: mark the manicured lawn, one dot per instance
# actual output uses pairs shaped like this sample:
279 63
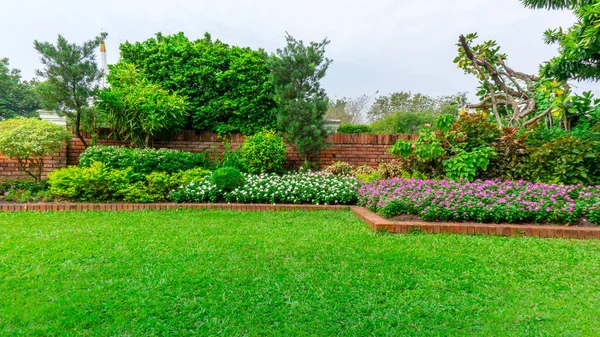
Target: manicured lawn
284 273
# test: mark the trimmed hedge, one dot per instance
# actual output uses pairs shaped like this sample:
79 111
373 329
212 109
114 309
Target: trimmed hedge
143 161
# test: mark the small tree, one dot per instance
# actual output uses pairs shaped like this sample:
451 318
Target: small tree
29 140
17 97
72 77
139 110
295 73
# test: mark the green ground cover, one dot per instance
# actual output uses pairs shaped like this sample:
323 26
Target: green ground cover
284 273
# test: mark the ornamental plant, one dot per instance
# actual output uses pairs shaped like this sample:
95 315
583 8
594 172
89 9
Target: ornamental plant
263 152
227 178
488 201
30 140
295 188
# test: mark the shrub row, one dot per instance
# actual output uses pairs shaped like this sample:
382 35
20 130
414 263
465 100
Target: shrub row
143 161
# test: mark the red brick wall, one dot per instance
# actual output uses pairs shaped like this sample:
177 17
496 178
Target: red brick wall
356 149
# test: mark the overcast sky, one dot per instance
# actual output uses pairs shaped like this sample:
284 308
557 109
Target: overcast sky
376 45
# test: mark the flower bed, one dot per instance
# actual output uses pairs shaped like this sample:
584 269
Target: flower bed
297 188
490 201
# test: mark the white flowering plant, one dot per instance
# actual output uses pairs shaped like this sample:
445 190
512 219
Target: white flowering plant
319 188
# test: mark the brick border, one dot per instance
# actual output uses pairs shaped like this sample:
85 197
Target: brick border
58 207
379 223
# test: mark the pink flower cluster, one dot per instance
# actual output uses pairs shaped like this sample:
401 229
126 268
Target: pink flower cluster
490 201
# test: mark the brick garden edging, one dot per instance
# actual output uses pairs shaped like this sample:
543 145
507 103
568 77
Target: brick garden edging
379 223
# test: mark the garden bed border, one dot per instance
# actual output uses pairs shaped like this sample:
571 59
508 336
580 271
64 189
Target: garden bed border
374 221
379 223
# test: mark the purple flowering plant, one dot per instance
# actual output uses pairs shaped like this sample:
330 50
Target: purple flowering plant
488 201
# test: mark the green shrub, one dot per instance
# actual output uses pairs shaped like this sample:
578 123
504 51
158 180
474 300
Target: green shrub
473 131
263 152
403 123
339 168
366 173
354 128
95 183
563 160
394 168
30 140
189 176
143 161
227 178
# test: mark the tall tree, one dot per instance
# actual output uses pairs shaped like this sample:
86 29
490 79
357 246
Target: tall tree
579 50
17 97
227 87
296 71
348 110
414 103
72 77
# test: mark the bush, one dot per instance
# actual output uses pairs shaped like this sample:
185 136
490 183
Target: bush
187 177
402 122
366 173
139 110
563 160
29 140
263 152
227 178
143 161
296 188
354 128
95 183
227 87
394 168
339 168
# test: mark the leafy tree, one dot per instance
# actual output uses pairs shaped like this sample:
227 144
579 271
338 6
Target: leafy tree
579 50
414 103
227 87
29 140
17 97
402 122
71 76
348 110
295 73
139 110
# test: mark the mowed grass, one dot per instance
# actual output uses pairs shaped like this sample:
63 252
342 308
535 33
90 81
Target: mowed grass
178 273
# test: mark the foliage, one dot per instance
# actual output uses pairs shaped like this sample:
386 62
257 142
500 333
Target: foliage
565 160
394 168
189 176
458 149
98 182
17 97
227 87
354 128
577 46
415 105
402 122
227 178
297 188
230 157
465 165
143 161
264 152
138 110
366 173
490 201
348 110
29 140
71 76
23 190
296 71
339 168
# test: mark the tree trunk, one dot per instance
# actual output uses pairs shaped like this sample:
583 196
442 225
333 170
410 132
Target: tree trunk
76 127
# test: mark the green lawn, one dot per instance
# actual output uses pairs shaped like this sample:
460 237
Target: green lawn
320 273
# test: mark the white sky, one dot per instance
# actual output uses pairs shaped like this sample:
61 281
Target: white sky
377 45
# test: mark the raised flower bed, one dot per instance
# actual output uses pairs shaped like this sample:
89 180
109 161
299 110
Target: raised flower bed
490 201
